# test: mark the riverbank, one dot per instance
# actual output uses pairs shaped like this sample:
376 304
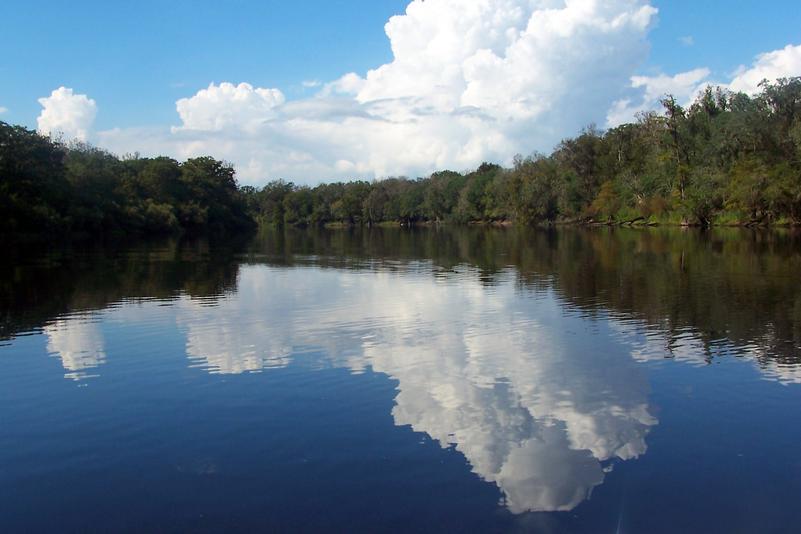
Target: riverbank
506 223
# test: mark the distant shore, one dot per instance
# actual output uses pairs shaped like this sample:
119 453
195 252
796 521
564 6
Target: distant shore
729 159
580 224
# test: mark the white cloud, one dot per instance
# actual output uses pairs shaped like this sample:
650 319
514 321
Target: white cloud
67 114
771 65
224 106
468 82
687 40
3 110
686 86
350 84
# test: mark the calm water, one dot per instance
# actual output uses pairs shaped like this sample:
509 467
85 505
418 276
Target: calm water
431 380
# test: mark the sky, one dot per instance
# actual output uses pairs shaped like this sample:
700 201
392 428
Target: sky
336 90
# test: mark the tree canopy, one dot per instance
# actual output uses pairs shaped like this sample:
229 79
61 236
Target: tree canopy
49 188
728 158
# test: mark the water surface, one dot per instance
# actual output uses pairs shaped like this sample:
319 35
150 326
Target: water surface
429 380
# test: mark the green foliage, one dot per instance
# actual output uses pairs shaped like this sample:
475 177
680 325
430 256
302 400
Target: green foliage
783 191
50 189
746 194
34 191
607 203
727 158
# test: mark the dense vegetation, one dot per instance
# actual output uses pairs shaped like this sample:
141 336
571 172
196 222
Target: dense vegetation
727 159
49 188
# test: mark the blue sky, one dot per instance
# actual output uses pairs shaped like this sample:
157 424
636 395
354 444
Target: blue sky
726 33
135 60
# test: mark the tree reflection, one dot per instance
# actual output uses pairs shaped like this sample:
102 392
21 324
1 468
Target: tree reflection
523 349
728 284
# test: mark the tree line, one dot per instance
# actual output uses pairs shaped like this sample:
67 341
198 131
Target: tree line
49 188
728 158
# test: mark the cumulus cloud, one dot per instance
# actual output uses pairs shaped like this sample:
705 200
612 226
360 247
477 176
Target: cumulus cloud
468 82
67 114
769 66
223 106
686 86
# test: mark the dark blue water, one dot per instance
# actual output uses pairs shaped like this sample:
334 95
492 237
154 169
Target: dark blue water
450 380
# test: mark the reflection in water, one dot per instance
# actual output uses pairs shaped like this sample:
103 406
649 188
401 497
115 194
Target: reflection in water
783 373
79 342
525 351
688 347
230 345
533 418
480 369
236 334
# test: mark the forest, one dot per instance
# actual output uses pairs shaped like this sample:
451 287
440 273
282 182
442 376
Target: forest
727 159
48 188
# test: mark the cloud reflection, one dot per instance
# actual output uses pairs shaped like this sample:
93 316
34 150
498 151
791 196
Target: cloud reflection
540 399
494 375
79 343
688 347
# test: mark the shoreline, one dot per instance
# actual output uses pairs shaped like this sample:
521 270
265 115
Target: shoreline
554 224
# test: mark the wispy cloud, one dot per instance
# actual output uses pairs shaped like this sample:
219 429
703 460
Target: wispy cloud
686 86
